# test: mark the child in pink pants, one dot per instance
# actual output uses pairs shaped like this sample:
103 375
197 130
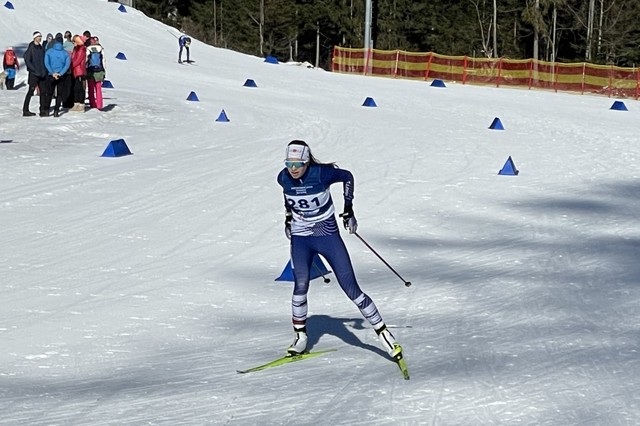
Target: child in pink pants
95 72
95 93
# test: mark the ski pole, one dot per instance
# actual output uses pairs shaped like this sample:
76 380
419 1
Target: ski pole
326 280
406 283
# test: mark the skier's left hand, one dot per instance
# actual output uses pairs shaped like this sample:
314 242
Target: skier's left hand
287 225
349 220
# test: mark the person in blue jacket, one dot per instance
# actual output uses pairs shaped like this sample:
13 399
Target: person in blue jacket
184 42
310 224
57 61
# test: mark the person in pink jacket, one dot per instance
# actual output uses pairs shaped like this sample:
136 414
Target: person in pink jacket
79 67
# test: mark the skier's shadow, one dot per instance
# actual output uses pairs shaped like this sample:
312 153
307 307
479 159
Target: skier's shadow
319 325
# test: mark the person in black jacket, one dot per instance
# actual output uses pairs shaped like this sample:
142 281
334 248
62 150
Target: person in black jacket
34 60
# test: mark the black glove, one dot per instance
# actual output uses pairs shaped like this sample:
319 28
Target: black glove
349 220
287 224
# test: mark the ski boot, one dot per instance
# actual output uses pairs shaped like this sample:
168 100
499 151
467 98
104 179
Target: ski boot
299 344
389 342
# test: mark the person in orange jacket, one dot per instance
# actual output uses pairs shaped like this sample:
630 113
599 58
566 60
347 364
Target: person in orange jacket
11 66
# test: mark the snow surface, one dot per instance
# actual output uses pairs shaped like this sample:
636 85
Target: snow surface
134 287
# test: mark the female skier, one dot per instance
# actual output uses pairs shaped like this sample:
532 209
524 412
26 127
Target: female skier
311 226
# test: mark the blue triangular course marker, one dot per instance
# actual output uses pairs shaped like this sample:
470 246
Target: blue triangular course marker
222 117
496 124
9 5
121 56
122 8
193 97
250 83
369 102
509 169
619 106
106 84
317 269
438 83
271 60
116 148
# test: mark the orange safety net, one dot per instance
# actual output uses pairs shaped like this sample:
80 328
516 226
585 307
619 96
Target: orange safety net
605 80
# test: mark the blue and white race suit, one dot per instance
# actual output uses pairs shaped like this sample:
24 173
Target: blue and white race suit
314 230
184 42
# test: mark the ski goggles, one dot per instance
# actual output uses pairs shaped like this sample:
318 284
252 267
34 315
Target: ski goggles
296 164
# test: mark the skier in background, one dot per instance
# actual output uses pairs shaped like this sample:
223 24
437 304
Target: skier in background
311 226
184 42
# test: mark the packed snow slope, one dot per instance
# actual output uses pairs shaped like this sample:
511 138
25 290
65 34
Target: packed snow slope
133 288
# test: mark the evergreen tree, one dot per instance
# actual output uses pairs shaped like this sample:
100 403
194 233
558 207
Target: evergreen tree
604 31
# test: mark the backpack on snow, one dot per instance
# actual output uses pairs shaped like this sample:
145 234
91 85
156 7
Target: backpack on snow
95 61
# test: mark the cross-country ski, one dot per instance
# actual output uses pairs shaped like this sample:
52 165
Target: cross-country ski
286 359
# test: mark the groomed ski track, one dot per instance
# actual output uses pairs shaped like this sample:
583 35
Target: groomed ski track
133 288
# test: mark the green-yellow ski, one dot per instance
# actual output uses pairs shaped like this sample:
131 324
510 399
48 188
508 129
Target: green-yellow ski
399 359
286 360
403 368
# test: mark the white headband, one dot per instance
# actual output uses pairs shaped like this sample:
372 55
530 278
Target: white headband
298 151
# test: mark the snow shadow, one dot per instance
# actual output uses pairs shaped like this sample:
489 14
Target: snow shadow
533 293
320 325
590 238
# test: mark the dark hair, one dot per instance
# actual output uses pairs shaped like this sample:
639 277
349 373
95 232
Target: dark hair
312 159
87 34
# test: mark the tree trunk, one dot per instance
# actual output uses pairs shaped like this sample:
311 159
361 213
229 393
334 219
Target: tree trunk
261 25
592 5
536 31
495 29
318 45
215 24
553 35
600 27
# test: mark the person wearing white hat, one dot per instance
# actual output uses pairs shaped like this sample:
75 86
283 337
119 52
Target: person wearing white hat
34 60
310 224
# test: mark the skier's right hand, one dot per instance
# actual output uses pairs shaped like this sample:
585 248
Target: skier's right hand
349 220
287 225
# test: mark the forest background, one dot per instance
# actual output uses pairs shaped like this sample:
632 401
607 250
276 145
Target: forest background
596 31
